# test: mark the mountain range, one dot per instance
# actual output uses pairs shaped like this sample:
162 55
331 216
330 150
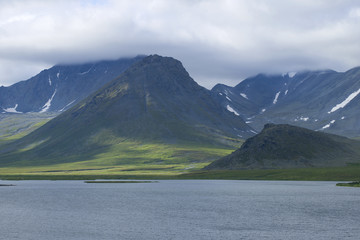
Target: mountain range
319 100
60 87
101 106
155 100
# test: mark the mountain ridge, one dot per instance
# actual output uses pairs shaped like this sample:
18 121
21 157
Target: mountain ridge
318 100
154 100
61 86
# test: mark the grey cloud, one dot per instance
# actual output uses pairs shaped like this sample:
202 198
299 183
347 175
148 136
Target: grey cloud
217 41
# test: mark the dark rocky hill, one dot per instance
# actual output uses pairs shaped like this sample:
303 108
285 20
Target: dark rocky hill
286 146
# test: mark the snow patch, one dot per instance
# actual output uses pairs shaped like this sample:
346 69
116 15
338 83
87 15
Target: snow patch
345 102
58 74
228 98
244 95
49 80
247 122
276 97
305 119
12 110
67 105
220 94
328 125
83 73
343 117
263 110
48 103
253 131
286 92
291 74
230 109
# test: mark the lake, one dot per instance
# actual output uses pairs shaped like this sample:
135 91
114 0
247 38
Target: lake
184 209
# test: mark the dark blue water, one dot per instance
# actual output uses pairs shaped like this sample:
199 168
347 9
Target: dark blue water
179 210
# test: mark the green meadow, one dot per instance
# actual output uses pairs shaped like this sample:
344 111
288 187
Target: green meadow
77 171
130 159
139 160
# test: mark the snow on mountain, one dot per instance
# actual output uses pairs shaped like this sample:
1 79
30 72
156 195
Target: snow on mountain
276 98
47 105
12 110
244 95
34 94
292 74
310 99
230 109
328 125
345 102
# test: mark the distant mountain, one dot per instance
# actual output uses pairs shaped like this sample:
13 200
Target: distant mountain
319 100
155 100
286 146
60 87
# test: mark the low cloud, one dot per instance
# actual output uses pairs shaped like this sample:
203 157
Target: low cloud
217 41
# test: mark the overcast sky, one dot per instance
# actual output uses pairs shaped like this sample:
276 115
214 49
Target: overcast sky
218 41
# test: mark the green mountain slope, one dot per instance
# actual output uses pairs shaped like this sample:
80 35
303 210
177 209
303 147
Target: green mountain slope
16 125
285 146
154 102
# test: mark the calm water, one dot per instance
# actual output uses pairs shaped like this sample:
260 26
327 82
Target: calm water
179 210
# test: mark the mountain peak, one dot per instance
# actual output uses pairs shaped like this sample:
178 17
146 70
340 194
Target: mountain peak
157 59
155 100
155 72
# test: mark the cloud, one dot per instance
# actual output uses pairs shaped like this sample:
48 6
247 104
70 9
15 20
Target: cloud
217 40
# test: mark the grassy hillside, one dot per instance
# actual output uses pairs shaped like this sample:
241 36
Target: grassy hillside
127 158
16 126
177 171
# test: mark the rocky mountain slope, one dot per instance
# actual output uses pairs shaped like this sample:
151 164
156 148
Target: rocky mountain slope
286 146
155 100
60 87
319 100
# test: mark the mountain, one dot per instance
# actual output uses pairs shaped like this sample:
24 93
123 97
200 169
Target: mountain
155 100
60 87
319 100
286 146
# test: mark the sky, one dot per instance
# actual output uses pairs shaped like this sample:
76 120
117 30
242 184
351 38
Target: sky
218 41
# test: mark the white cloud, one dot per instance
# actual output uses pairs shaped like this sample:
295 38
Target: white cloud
216 39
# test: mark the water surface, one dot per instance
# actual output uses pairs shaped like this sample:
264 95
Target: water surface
188 209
